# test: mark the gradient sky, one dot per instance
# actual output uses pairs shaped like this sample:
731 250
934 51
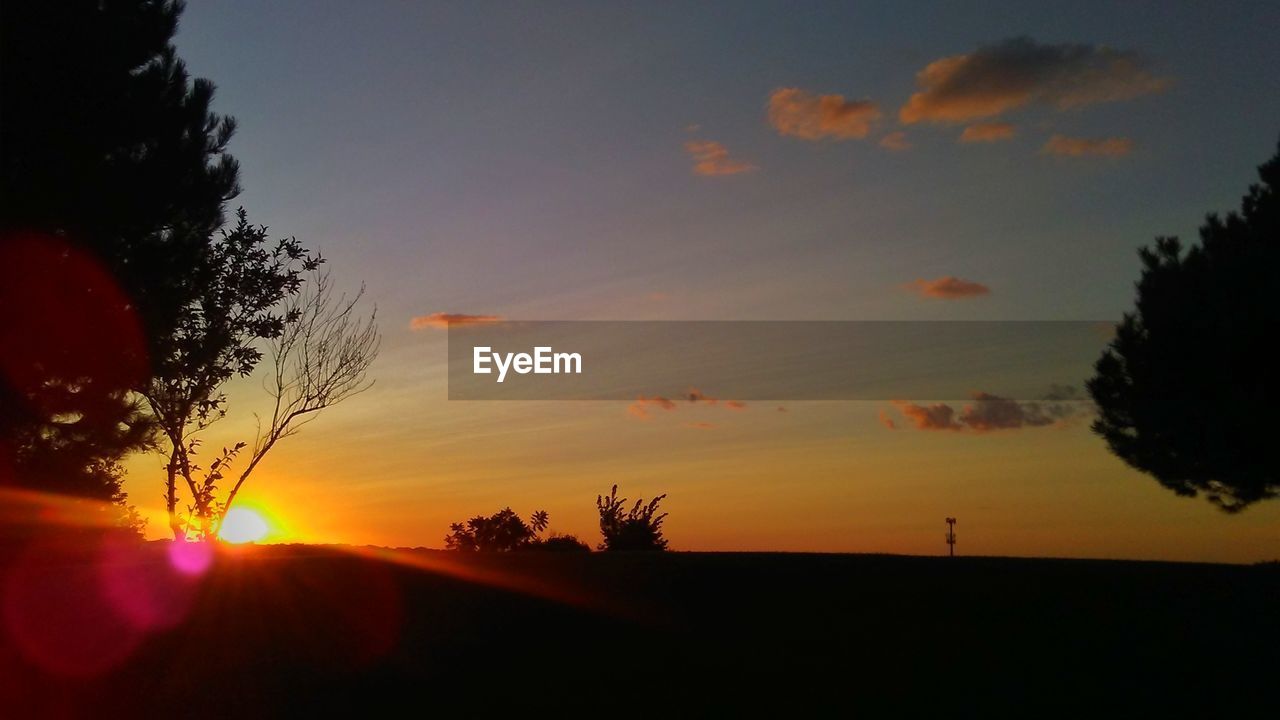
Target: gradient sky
534 161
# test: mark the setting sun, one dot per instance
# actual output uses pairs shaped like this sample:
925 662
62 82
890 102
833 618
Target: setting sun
242 525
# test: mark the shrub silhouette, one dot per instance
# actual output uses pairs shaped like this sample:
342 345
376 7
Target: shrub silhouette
1186 390
503 531
637 529
559 543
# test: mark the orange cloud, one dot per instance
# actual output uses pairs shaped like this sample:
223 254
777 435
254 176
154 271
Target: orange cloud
712 159
1064 146
987 413
695 395
895 141
987 132
802 114
702 425
926 417
640 408
995 79
442 320
948 288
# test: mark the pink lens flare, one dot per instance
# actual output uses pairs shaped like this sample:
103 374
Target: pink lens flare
192 558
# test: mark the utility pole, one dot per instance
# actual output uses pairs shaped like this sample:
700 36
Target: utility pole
951 537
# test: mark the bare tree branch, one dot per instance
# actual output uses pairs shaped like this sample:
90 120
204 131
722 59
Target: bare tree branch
320 359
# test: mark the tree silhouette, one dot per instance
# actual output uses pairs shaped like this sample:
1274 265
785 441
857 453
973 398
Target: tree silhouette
1186 390
503 531
241 301
640 528
113 176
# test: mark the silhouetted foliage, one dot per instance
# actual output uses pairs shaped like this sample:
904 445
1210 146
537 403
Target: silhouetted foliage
559 543
1186 391
239 302
503 531
639 528
113 176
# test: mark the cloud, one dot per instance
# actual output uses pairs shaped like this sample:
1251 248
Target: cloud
695 395
948 288
989 413
895 141
995 79
640 408
702 425
441 320
643 405
1064 146
802 114
712 159
927 417
987 132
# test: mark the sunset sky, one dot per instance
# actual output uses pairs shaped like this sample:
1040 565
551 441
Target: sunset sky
731 161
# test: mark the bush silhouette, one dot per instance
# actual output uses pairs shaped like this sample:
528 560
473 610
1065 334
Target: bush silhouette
637 529
503 531
559 543
1187 388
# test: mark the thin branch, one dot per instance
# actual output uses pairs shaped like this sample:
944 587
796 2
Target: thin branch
321 358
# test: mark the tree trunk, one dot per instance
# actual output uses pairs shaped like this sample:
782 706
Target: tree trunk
171 498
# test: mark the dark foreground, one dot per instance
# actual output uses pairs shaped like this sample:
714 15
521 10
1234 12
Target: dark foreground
285 630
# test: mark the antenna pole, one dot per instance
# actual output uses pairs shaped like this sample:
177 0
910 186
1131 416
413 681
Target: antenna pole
951 537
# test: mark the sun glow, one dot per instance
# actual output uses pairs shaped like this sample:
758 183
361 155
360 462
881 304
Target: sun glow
242 525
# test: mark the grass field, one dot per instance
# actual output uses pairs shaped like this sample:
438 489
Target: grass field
275 630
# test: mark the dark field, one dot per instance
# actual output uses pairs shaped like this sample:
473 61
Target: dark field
281 630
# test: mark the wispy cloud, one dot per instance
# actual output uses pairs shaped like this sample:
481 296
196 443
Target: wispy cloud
712 159
1064 146
987 413
643 405
948 288
987 132
995 79
895 141
803 114
441 320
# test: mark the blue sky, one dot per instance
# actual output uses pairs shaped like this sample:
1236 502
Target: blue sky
527 159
